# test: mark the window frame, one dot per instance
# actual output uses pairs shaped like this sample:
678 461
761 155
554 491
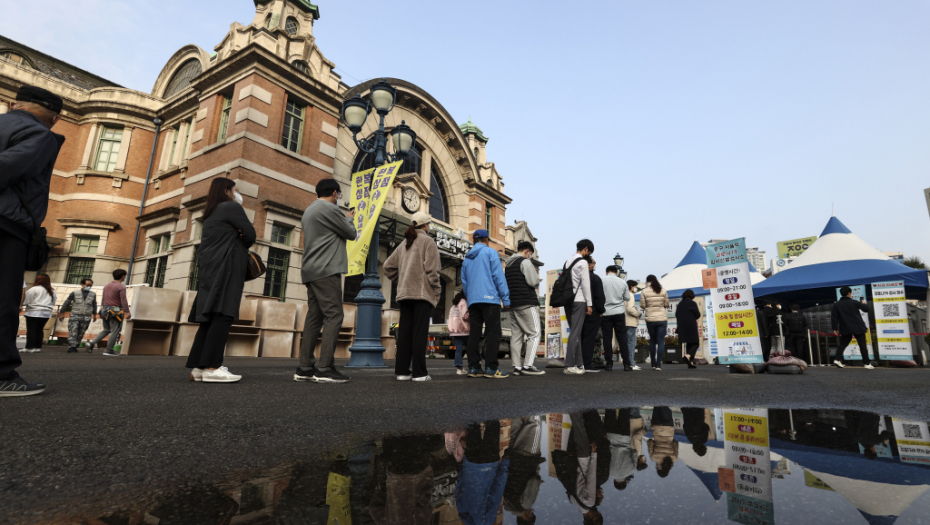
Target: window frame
155 270
193 279
225 110
8 54
276 272
77 242
488 217
277 228
115 139
290 117
70 278
296 28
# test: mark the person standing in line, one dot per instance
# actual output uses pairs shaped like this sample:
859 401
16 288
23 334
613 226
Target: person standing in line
613 323
847 323
654 301
769 328
83 305
663 449
115 307
39 305
485 286
415 268
581 307
795 324
325 260
483 476
458 329
689 335
632 314
696 429
28 151
637 434
622 455
592 321
523 283
523 480
576 468
223 260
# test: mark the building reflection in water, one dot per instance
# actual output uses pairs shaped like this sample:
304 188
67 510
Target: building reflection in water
628 464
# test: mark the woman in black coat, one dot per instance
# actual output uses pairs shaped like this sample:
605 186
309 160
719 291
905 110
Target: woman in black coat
223 261
688 314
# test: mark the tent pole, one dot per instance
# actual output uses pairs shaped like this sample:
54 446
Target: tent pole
818 351
810 347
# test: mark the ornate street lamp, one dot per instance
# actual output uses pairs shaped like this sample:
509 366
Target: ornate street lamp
367 352
618 261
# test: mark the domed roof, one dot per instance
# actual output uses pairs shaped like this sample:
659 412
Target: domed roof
469 127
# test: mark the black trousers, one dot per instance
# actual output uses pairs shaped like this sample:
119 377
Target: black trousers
412 335
12 267
766 348
484 316
691 349
797 344
35 329
210 342
615 325
617 421
485 449
844 342
592 324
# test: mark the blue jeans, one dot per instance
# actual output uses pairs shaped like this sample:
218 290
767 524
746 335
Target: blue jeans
459 348
631 343
657 331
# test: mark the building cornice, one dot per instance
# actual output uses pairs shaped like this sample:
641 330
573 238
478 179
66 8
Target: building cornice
86 223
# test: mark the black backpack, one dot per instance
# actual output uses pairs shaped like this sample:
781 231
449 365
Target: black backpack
563 295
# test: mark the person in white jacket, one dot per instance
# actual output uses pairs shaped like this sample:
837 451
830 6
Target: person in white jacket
39 306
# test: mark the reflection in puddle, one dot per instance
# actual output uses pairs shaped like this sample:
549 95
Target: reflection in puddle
626 465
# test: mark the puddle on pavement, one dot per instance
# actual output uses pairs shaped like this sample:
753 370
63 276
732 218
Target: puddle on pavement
630 465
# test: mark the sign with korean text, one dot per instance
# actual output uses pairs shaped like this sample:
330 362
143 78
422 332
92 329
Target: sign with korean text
794 248
369 191
733 303
913 439
891 327
556 323
748 456
852 351
710 327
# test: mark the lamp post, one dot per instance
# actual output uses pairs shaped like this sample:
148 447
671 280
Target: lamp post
367 352
618 261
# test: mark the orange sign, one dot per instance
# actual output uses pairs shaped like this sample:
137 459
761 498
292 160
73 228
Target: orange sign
727 478
709 278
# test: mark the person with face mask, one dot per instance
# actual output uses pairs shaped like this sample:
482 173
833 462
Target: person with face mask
83 304
223 262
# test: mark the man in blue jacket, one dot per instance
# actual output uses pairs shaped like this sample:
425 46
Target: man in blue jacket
28 150
485 288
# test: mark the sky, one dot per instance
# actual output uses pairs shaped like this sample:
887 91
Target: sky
640 125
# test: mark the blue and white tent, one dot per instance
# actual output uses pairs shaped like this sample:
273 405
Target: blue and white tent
687 275
838 258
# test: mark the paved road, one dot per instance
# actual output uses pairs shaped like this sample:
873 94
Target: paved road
109 428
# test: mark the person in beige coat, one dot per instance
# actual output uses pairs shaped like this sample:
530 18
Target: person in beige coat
654 302
632 315
663 449
414 266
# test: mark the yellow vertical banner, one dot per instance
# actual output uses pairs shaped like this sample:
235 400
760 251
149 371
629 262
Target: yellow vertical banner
369 191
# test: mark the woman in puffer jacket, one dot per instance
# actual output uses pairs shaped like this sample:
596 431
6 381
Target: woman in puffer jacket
654 301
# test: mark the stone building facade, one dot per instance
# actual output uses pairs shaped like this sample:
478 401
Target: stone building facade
263 109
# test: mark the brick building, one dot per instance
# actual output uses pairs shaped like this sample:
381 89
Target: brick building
263 109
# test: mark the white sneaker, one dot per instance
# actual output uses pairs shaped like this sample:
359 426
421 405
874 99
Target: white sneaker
220 375
461 372
838 364
590 370
424 378
36 350
636 367
404 378
25 350
197 374
575 370
869 367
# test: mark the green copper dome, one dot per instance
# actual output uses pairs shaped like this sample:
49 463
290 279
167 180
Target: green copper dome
469 127
303 5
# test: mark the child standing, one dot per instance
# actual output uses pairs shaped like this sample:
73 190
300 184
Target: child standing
458 329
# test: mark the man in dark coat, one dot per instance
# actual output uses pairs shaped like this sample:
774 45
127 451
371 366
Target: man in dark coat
28 151
592 323
796 326
769 320
847 323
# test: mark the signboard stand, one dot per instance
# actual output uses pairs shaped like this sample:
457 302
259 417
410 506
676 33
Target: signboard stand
727 277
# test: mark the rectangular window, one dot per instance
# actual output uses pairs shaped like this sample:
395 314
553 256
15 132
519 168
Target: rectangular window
194 280
160 244
187 136
281 234
276 276
174 145
155 272
86 245
79 269
293 125
224 118
488 218
108 148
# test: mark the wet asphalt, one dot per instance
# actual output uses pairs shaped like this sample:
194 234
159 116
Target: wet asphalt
111 429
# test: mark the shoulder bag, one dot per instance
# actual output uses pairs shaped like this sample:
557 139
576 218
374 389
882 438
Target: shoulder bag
255 267
38 249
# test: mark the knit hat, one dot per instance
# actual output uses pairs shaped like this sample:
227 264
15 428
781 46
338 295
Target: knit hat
422 218
40 96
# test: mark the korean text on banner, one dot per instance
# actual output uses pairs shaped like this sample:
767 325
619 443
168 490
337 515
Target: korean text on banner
913 439
370 199
852 351
795 247
556 324
748 466
893 332
733 305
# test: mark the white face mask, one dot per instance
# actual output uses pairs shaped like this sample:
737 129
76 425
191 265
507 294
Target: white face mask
237 197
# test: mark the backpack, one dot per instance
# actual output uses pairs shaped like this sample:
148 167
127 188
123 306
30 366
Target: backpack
563 295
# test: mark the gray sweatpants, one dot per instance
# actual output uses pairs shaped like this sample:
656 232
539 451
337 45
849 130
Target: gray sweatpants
524 326
111 327
575 320
324 310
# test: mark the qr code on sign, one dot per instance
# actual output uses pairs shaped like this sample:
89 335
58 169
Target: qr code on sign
891 310
911 431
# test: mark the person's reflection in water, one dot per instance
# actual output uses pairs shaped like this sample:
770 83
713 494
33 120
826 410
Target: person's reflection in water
696 429
864 426
523 479
483 477
194 506
663 449
405 493
637 434
623 456
576 468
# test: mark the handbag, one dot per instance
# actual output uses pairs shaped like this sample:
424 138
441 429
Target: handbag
38 249
255 267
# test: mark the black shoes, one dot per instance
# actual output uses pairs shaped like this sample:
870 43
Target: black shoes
610 366
306 375
72 350
628 369
19 387
330 375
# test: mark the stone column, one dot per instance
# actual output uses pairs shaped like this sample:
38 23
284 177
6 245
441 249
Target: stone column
166 150
180 146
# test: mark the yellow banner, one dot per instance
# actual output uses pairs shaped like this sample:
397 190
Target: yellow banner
736 324
895 299
891 321
743 428
894 339
369 191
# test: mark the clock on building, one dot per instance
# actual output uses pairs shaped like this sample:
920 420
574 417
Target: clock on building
411 200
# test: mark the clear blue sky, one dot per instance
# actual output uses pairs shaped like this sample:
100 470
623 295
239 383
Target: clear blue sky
642 125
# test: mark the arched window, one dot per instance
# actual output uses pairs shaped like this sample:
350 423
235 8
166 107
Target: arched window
291 26
182 77
476 154
16 58
438 206
302 67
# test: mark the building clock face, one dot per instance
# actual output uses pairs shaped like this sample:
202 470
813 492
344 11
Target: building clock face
411 201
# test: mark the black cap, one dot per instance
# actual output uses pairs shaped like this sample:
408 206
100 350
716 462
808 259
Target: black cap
40 96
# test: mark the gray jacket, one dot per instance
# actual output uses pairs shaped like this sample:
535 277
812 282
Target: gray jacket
28 151
79 304
617 293
326 230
